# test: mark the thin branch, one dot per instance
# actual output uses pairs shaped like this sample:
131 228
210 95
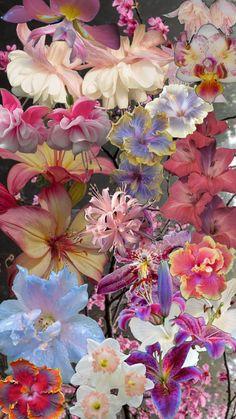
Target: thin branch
113 158
228 117
137 11
230 200
228 386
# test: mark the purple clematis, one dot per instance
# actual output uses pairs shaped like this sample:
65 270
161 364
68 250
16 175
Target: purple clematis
204 335
72 16
167 373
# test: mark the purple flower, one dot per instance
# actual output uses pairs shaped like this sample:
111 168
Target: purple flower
167 374
165 288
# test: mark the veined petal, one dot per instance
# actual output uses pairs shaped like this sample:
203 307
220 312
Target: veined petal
107 35
116 280
167 397
37 266
89 264
19 175
209 90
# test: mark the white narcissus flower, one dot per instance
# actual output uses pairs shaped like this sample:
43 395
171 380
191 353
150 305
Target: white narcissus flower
148 334
132 384
182 106
219 312
94 404
101 366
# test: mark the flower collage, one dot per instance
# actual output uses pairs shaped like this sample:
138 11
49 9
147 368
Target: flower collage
120 200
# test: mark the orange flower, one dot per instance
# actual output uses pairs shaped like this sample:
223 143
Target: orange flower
31 392
49 239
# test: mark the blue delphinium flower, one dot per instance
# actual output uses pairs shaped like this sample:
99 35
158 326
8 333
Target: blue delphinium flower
142 182
43 324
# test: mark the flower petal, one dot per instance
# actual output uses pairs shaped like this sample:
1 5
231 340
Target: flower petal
166 398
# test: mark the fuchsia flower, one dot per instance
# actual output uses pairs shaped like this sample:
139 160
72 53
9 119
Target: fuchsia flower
21 130
166 376
209 59
201 268
114 222
204 335
4 56
78 128
73 29
31 392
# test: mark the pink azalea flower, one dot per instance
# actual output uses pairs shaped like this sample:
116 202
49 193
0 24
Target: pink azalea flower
201 268
114 221
223 15
193 14
185 206
208 59
157 24
21 130
4 59
78 128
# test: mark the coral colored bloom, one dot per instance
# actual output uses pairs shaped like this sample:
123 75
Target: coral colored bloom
114 221
55 166
193 14
201 268
144 139
49 239
209 59
183 108
223 15
21 130
129 73
31 392
42 72
78 128
185 206
43 324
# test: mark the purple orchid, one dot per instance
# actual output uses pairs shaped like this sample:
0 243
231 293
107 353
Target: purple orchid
204 335
166 374
142 264
72 15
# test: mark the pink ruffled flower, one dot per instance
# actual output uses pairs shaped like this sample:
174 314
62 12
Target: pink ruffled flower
223 15
19 130
114 221
157 24
4 59
192 14
78 128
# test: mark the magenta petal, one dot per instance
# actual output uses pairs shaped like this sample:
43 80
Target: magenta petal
88 8
107 35
9 101
18 176
188 373
17 14
166 398
175 358
34 114
120 278
124 318
165 288
152 368
39 10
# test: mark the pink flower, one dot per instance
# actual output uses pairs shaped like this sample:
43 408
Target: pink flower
201 268
114 221
7 200
206 375
78 128
4 59
157 24
19 130
223 15
193 14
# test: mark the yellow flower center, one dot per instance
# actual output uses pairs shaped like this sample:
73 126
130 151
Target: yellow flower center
70 12
103 363
44 322
97 405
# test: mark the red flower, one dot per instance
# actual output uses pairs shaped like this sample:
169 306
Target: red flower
31 392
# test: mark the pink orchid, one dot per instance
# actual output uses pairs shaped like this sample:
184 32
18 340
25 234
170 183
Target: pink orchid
201 268
49 238
78 128
219 222
185 206
223 15
216 175
209 59
21 130
73 29
55 166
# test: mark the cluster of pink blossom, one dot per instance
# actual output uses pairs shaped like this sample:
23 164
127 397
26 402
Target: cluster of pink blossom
4 56
125 8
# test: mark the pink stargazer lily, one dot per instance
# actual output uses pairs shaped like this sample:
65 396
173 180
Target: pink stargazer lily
49 239
167 374
73 28
204 335
55 166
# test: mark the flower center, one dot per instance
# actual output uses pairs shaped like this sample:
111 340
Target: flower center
44 322
105 360
97 405
134 384
70 12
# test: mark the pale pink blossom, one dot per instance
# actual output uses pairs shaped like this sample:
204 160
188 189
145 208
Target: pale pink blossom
21 130
223 15
78 128
114 221
193 14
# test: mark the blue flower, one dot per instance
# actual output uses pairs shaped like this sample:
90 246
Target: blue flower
143 138
43 324
142 182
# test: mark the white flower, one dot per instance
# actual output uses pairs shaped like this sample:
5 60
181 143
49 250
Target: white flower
100 367
148 334
132 384
93 404
182 106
